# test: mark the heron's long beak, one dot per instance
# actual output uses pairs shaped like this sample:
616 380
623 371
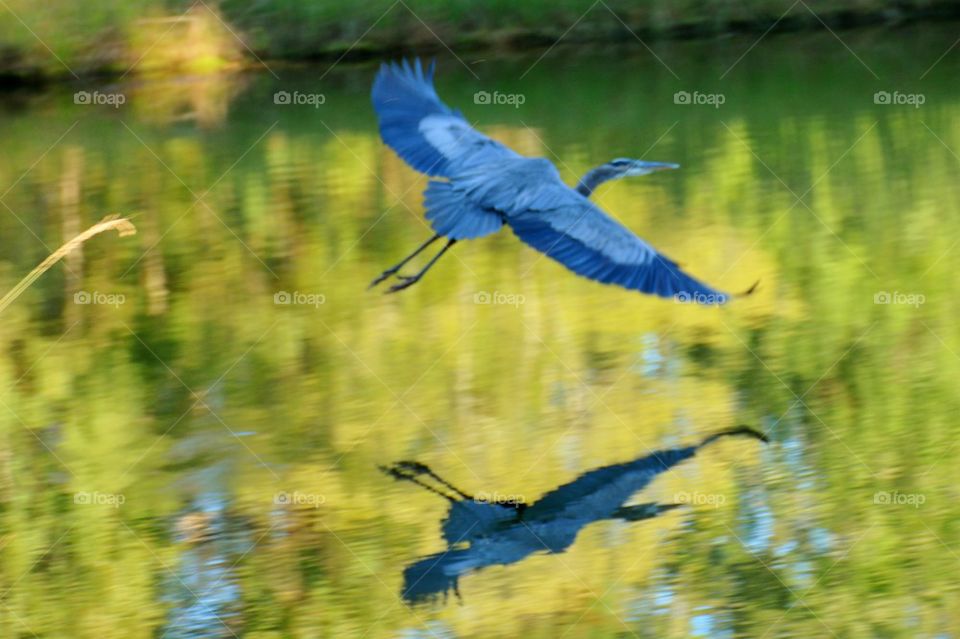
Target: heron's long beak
656 166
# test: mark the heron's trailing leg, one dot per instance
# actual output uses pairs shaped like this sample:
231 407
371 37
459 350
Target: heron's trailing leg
423 469
399 473
410 280
399 265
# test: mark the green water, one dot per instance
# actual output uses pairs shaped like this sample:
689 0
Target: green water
145 437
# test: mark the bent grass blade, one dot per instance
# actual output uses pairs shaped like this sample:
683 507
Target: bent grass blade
122 225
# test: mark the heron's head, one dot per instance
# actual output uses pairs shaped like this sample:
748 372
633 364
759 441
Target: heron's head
626 167
616 169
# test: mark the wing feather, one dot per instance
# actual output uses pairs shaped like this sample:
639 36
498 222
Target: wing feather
454 216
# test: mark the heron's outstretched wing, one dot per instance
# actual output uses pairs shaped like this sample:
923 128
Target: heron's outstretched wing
558 221
430 136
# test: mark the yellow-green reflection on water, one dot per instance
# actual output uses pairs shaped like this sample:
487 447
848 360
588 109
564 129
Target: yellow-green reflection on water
198 400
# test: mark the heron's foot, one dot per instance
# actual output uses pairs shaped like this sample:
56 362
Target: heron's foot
405 469
387 273
390 272
391 470
413 467
398 473
406 281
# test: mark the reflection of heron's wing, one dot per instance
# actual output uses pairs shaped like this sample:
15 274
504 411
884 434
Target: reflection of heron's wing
433 575
558 221
438 574
599 493
430 136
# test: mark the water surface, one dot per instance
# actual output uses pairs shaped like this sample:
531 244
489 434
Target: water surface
184 454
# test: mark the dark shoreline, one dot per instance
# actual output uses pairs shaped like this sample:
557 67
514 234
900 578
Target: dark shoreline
14 75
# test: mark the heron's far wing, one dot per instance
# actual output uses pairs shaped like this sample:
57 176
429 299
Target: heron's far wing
430 136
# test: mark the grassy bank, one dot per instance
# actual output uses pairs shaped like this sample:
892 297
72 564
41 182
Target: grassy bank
64 38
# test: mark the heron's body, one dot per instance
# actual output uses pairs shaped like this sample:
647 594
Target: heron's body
480 534
481 185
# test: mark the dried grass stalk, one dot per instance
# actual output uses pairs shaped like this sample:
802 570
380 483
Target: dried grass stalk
121 225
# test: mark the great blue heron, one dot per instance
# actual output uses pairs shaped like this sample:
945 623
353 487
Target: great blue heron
483 533
487 185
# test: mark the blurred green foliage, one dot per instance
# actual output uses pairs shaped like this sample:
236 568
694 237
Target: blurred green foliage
63 38
199 372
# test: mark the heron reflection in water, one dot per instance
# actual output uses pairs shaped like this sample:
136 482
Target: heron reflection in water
481 533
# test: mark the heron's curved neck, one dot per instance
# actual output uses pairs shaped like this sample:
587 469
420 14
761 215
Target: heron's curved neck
594 178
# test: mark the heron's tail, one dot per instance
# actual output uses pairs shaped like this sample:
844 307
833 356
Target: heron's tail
744 431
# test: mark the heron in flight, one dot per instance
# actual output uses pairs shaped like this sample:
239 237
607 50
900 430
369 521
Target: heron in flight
482 532
480 185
